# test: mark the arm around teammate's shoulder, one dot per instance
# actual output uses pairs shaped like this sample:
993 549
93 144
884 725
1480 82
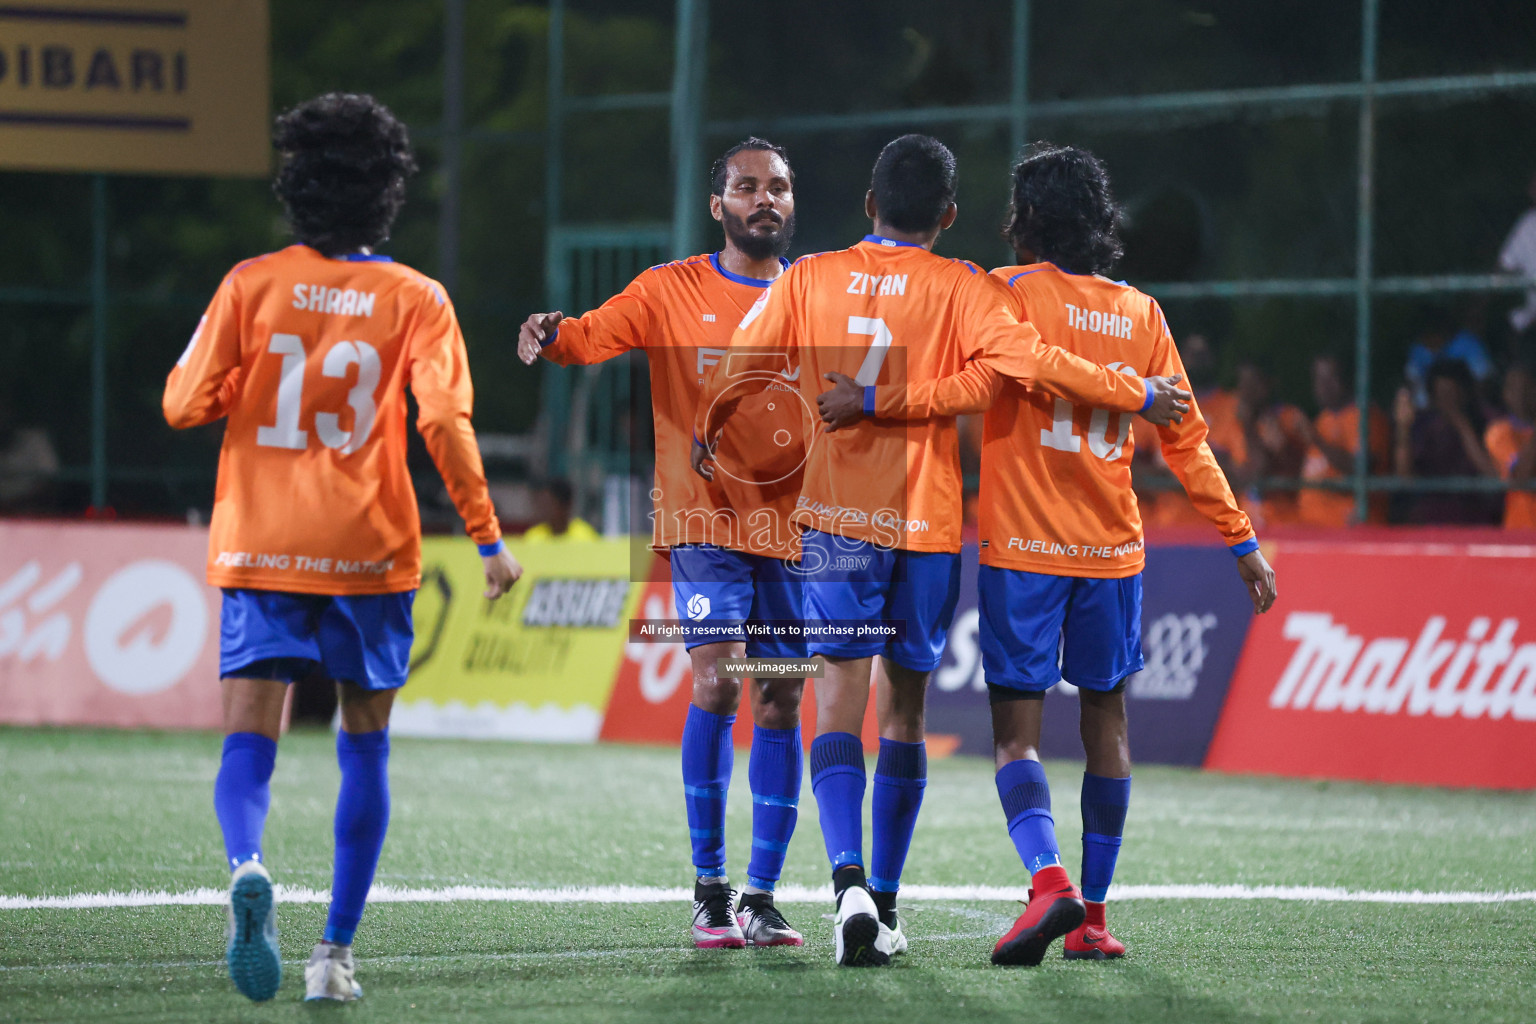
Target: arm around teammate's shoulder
1013 347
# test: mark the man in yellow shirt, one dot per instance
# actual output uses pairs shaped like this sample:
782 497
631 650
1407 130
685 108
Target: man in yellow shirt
553 502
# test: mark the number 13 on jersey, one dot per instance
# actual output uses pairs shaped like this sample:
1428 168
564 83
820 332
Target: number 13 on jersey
286 432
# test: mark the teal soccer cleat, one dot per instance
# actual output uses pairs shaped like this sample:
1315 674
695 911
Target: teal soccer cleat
255 964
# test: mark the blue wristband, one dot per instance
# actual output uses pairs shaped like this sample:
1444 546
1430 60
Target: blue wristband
1148 403
487 550
551 339
869 400
1247 547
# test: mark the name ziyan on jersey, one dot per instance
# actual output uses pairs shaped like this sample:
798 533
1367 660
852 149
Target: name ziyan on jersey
1485 673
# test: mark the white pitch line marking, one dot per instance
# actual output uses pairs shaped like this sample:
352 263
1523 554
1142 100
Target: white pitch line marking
785 894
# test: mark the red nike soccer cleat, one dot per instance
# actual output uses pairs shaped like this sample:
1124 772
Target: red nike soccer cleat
1091 939
1055 908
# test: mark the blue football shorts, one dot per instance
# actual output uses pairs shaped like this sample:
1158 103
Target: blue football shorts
718 590
364 639
1037 629
851 581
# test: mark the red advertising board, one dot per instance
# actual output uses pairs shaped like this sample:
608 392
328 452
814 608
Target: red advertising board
107 626
1394 661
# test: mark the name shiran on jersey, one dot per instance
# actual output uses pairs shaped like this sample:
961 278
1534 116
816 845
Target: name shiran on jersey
309 359
1056 491
682 315
896 318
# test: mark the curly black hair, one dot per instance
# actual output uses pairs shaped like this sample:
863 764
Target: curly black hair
345 158
1062 210
914 183
717 171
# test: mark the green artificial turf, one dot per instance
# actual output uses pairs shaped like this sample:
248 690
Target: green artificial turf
87 812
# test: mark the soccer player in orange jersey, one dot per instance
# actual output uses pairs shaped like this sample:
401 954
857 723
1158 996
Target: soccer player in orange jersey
729 541
1061 541
881 500
315 537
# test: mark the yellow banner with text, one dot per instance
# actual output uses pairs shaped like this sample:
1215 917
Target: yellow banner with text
537 665
143 86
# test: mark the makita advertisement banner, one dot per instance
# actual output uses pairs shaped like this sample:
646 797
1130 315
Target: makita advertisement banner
1393 661
1195 616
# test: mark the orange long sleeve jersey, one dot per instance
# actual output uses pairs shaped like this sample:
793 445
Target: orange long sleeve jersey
897 315
1056 491
309 357
682 315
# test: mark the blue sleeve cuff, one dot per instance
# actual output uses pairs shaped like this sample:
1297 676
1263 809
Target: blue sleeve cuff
1247 547
1148 403
487 550
869 400
556 333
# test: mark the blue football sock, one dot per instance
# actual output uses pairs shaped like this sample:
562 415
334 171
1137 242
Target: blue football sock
242 793
1104 804
362 815
1027 803
901 774
837 779
707 761
774 773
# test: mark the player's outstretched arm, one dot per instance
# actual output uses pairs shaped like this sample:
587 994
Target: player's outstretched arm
535 334
1259 578
622 323
1013 348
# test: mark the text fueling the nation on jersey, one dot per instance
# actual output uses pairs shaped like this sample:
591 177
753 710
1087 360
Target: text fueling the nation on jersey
309 358
1056 474
682 316
897 318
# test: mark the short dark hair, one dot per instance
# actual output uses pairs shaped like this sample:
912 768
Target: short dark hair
914 183
1062 210
717 172
345 158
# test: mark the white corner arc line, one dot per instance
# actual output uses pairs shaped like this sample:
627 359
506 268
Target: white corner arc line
785 894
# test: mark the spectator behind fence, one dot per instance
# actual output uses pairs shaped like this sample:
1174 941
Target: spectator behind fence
28 463
1333 438
1441 337
1263 440
1519 257
1512 443
1169 505
553 503
1445 440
